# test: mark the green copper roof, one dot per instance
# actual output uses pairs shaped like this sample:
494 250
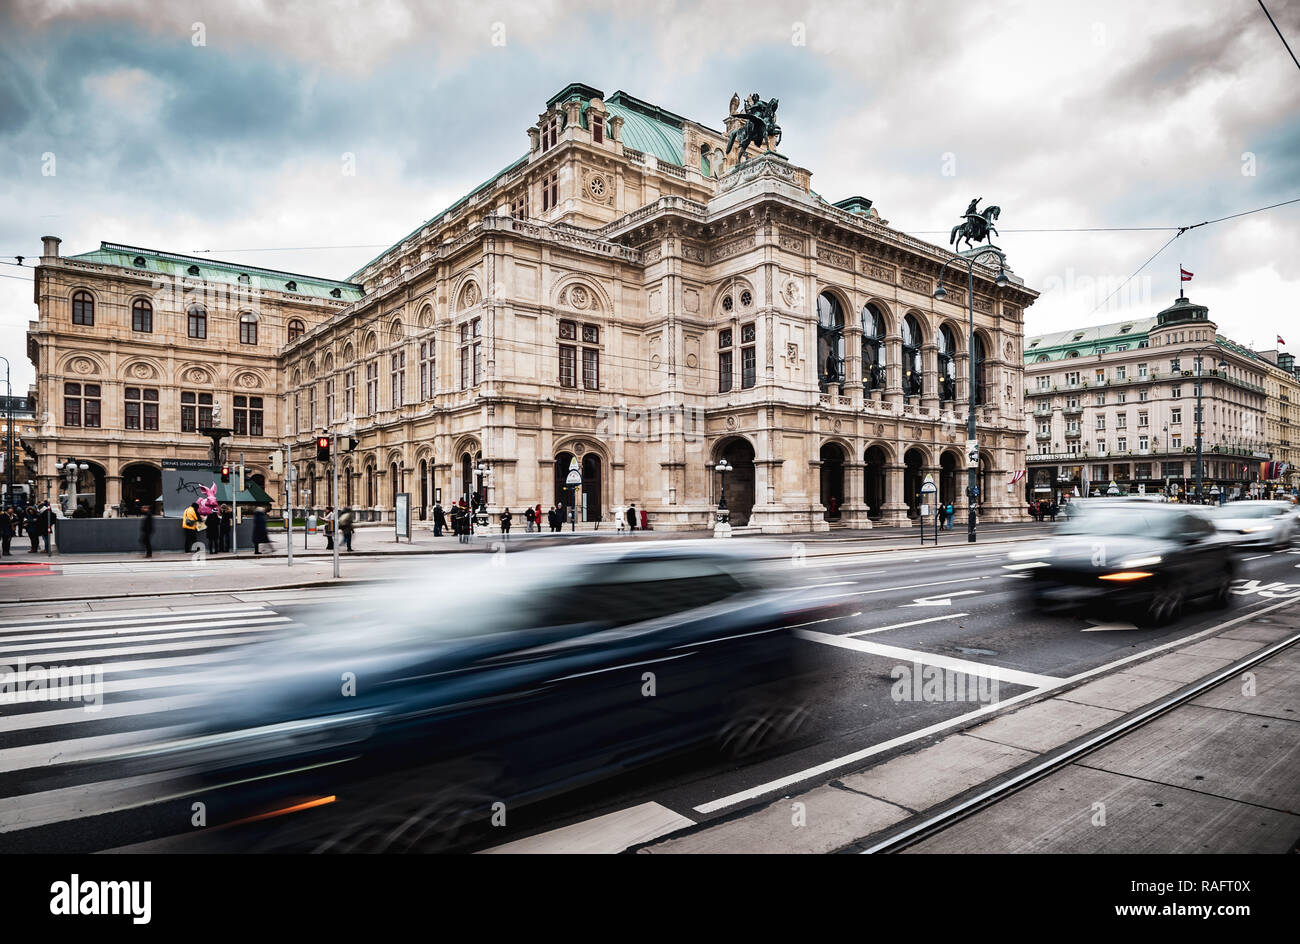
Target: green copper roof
648 128
213 270
1081 342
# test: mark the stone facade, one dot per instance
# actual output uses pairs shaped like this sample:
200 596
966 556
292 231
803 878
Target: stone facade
628 299
1117 402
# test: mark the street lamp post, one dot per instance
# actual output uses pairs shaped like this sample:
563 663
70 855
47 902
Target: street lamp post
8 499
722 522
481 519
972 443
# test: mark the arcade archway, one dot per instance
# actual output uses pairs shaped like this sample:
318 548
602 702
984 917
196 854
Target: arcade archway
832 480
874 490
740 481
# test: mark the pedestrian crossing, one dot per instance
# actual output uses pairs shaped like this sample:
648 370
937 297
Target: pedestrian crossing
78 691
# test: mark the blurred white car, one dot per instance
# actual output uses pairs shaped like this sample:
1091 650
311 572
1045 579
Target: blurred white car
1267 523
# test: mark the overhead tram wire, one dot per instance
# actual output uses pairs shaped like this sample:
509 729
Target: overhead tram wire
1184 229
1279 33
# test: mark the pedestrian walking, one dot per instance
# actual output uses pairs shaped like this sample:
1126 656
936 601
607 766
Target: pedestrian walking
190 526
537 516
227 528
146 529
331 515
947 516
213 531
439 519
506 519
6 530
631 517
345 528
29 522
1053 509
260 536
529 520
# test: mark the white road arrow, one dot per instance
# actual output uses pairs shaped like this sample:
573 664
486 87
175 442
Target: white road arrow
945 600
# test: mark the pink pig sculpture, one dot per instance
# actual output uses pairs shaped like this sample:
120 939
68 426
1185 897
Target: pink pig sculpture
208 503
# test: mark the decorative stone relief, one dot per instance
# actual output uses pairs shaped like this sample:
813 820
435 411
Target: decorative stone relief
691 300
792 293
579 297
82 365
792 352
142 372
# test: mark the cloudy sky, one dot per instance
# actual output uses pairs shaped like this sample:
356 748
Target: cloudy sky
221 126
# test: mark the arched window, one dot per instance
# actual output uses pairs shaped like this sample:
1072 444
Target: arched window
248 328
981 382
198 322
873 348
141 316
83 309
830 340
1042 359
913 377
295 329
947 369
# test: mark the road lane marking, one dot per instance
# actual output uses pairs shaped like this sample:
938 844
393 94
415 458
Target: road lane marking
29 720
965 666
135 617
1256 557
811 773
99 747
1028 566
837 583
151 633
601 835
941 599
910 586
932 619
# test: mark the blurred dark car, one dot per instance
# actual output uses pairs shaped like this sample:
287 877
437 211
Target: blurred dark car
1145 559
400 724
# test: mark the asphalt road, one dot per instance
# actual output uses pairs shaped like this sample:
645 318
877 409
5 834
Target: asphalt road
957 608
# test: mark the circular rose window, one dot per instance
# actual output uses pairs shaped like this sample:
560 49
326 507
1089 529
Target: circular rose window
597 186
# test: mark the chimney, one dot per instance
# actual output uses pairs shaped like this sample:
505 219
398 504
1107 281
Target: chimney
49 248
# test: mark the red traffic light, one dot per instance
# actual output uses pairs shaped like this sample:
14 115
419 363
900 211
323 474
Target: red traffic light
322 448
225 474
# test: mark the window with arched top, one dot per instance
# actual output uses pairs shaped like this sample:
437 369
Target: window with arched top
981 380
248 328
873 348
83 309
296 329
197 320
947 365
830 340
913 374
142 316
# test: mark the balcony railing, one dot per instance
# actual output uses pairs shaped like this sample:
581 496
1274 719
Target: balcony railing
1073 433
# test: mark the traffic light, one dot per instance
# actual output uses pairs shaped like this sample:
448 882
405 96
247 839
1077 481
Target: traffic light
348 443
225 475
322 449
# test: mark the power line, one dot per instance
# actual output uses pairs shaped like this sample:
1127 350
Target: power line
1279 33
299 248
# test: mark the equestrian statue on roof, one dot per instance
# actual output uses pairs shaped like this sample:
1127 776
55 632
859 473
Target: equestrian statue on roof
759 125
978 225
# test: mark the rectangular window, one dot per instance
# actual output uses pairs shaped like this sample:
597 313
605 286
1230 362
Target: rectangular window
297 411
1123 444
1142 371
1143 443
471 354
1143 418
142 316
1101 422
141 408
597 129
724 371
1177 442
196 411
248 416
1100 399
1175 364
398 379
568 365
748 365
1176 416
591 368
1101 375
329 402
1072 378
519 206
550 191
1142 396
550 133
1121 421
1121 398
71 404
198 323
350 393
1121 372
1044 383
426 370
372 388
1101 446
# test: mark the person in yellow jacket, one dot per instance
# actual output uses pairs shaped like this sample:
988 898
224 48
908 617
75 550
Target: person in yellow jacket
190 526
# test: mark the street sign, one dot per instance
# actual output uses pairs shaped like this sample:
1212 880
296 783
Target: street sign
972 454
573 478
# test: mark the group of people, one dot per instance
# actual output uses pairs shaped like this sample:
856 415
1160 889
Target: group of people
37 521
1043 509
460 520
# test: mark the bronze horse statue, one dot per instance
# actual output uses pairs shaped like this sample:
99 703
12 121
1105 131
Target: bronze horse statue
978 225
760 127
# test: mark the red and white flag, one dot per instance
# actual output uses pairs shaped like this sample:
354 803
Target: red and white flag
1280 341
1187 276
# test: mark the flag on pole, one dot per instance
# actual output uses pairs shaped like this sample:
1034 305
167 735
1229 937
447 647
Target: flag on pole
1280 341
1187 276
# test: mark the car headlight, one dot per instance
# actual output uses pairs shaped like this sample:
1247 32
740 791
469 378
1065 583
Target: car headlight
1137 562
1256 528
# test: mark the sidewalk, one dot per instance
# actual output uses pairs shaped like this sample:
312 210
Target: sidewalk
1215 774
379 540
